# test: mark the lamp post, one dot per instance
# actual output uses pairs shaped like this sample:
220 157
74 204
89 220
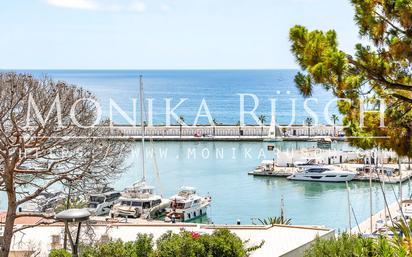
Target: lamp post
73 215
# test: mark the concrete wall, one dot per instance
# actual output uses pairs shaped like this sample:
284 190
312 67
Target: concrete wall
298 252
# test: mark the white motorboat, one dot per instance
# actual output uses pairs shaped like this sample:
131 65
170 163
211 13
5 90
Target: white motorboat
322 173
101 203
45 202
187 205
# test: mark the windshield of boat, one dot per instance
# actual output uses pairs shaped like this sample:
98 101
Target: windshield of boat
127 203
135 204
180 205
92 205
185 193
96 199
316 170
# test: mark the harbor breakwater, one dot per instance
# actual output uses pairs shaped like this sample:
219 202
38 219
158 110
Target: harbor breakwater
228 132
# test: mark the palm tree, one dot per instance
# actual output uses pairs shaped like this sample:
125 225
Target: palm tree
262 119
402 238
275 221
309 122
334 118
284 130
181 121
214 126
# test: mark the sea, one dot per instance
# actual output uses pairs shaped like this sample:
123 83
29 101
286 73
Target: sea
221 91
220 169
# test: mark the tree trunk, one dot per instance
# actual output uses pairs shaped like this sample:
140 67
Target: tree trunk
67 207
9 224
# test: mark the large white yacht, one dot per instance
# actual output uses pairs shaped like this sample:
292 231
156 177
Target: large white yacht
322 173
187 205
139 201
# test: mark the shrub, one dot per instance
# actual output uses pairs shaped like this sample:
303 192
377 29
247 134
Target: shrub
141 247
348 246
221 243
59 253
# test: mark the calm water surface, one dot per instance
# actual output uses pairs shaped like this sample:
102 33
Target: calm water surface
236 195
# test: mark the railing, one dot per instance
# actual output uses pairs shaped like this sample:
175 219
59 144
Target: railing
226 131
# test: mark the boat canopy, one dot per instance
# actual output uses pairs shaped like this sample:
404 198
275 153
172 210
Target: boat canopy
189 189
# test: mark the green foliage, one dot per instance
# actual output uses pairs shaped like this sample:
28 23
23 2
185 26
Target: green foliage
179 245
141 247
334 118
309 121
380 69
402 238
275 221
224 243
75 202
262 119
59 253
399 245
221 243
348 246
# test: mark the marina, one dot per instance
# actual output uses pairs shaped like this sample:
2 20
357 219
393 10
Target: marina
289 171
219 169
141 128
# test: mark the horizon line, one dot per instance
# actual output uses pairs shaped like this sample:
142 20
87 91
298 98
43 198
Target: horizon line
145 69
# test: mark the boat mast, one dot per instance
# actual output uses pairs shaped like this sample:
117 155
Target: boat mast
142 149
370 201
349 209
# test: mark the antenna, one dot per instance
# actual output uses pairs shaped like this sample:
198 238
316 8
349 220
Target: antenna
282 208
142 128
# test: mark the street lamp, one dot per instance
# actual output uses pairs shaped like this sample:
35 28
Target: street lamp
73 215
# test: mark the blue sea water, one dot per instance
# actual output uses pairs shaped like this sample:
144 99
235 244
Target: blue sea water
219 88
236 195
220 169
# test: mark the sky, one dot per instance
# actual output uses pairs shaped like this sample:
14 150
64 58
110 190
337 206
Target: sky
163 34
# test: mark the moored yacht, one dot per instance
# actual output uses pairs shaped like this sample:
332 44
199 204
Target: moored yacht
101 203
322 173
140 201
187 205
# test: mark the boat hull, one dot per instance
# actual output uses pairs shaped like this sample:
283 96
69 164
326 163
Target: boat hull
186 215
322 177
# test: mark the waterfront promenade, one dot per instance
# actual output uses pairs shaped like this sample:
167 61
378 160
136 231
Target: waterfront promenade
227 132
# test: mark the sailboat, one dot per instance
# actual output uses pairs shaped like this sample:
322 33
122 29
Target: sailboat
139 200
274 131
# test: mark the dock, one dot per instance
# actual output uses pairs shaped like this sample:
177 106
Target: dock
365 226
281 172
284 172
